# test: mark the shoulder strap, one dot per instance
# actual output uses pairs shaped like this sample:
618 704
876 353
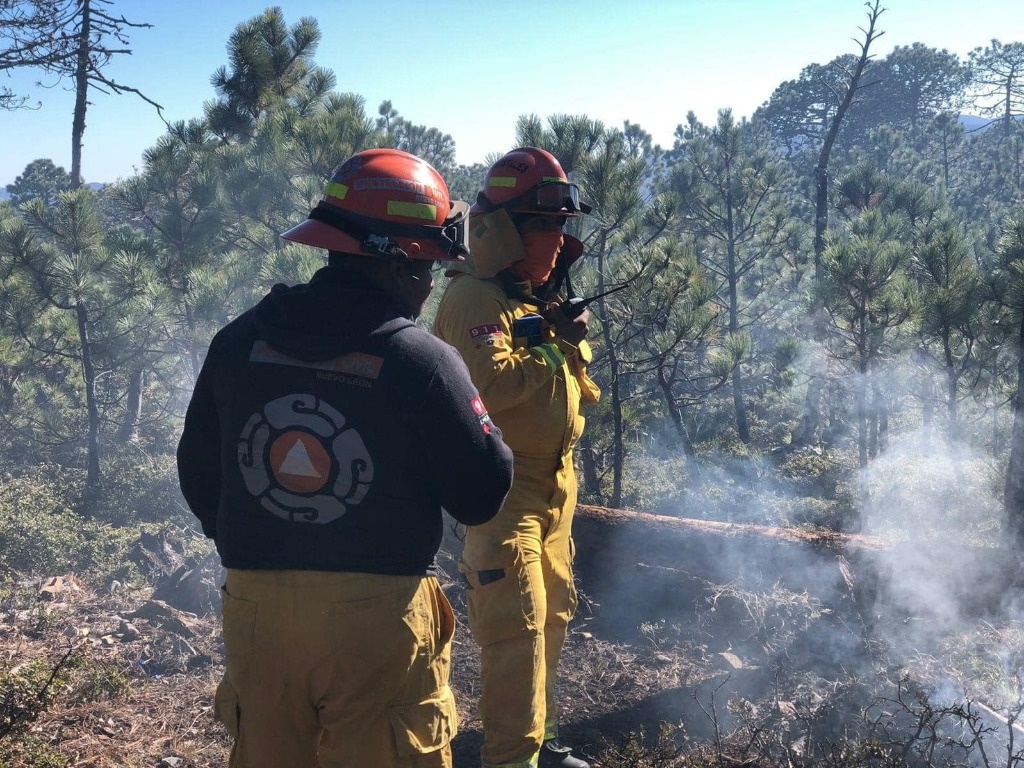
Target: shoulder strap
513 289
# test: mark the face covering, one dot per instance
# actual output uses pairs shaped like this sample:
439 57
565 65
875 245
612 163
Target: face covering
541 251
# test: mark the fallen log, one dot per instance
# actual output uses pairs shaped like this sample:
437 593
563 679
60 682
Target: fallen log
639 566
633 567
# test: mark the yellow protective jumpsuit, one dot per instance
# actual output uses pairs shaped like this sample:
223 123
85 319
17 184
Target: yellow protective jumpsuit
519 565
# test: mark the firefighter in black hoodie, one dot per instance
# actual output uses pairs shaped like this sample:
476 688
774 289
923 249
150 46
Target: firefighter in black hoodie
325 434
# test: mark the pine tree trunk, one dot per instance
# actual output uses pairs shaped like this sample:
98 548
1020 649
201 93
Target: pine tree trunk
808 432
129 430
862 422
614 386
872 428
81 95
951 392
676 417
92 477
927 406
588 458
617 434
812 413
883 422
742 426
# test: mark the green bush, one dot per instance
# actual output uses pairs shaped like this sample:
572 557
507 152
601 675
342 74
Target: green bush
654 484
27 690
919 488
101 680
32 751
818 473
138 487
42 535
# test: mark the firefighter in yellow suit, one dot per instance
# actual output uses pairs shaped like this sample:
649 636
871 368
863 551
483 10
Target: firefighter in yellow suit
528 360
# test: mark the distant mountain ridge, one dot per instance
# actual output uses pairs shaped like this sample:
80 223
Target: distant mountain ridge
93 185
972 123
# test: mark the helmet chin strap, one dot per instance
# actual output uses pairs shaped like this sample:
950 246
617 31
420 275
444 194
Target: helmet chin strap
559 277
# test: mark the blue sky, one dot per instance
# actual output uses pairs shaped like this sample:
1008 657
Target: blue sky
470 68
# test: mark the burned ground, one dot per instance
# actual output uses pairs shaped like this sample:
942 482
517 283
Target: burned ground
697 643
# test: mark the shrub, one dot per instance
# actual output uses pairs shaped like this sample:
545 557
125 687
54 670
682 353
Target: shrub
138 487
40 534
27 690
31 751
636 750
655 484
101 680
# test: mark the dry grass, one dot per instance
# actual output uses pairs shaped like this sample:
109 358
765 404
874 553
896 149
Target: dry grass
135 692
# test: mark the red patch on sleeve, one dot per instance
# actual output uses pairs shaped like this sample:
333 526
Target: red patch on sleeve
481 412
484 330
489 335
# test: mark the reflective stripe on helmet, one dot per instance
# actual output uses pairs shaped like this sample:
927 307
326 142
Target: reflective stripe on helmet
336 190
412 210
501 181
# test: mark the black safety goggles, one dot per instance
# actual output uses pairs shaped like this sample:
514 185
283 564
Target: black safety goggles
556 197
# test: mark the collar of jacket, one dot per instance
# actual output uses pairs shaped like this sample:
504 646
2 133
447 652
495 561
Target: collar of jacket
521 290
494 245
327 316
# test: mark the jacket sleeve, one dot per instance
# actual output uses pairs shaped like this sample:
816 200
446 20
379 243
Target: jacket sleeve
462 446
475 318
199 470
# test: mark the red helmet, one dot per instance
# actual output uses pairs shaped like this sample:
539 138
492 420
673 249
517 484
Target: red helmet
386 202
530 180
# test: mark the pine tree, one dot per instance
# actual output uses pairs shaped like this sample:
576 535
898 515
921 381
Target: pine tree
998 83
732 206
270 64
1007 283
42 179
73 39
868 299
952 294
87 307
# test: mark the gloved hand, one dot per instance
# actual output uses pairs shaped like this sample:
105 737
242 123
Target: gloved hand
573 330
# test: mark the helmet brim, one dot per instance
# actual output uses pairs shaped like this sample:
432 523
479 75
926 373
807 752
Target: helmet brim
320 235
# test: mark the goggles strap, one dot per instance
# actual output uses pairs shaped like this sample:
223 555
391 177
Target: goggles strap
375 236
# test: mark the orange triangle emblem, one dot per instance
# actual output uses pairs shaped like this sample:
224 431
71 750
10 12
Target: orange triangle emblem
299 462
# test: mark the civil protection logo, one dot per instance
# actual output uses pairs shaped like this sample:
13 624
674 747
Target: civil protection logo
300 461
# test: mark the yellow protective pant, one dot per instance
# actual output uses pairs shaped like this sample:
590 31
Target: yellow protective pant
336 670
521 598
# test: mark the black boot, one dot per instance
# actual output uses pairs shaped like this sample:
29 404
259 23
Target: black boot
554 754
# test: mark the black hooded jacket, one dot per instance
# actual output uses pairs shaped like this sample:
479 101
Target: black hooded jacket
326 432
